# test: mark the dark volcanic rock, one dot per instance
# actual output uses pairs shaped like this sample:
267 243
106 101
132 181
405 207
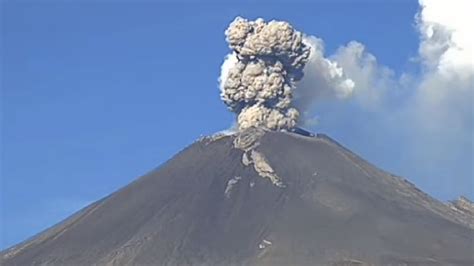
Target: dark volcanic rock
209 206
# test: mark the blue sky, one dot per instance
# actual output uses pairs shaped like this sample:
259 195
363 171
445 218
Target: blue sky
95 95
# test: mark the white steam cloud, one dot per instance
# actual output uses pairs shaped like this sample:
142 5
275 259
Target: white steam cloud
427 115
438 104
447 38
446 90
323 79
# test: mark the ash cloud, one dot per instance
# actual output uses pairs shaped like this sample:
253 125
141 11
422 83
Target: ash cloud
263 81
258 78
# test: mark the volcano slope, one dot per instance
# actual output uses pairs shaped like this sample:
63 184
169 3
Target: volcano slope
259 198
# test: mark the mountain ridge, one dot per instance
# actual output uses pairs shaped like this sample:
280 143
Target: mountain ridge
215 203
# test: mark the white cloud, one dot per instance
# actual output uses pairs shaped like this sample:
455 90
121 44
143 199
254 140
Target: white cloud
436 116
323 79
446 33
445 94
371 80
229 62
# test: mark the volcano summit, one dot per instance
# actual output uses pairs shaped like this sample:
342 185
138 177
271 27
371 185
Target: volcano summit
259 197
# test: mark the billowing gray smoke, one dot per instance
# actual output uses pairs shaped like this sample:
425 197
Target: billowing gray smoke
258 78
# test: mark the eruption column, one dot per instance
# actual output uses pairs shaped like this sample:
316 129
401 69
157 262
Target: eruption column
258 77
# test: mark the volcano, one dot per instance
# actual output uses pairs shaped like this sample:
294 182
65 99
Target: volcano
259 197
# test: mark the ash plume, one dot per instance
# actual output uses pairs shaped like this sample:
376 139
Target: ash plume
258 78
